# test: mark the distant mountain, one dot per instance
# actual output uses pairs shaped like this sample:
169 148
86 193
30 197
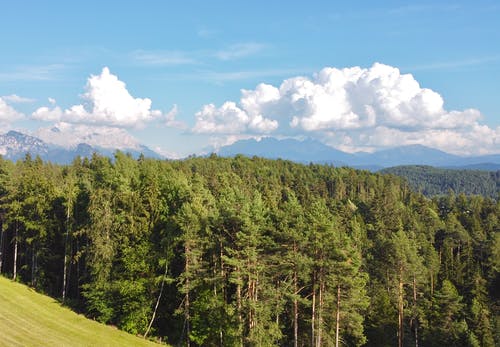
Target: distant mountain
409 155
14 145
317 152
298 151
485 160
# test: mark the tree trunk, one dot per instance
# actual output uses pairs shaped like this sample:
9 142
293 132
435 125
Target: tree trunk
188 318
1 248
400 309
432 284
157 300
313 312
251 298
415 309
65 266
15 252
238 304
337 321
33 265
77 249
320 312
295 312
223 281
186 298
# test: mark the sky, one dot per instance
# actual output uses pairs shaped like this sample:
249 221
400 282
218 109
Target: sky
188 77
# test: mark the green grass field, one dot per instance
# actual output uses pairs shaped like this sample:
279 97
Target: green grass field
31 319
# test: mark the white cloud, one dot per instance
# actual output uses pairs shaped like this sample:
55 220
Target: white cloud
163 58
353 109
70 135
216 142
474 140
7 113
106 102
47 114
168 154
231 119
32 73
239 50
171 121
16 99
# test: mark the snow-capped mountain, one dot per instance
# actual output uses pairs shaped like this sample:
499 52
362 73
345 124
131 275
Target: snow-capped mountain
15 145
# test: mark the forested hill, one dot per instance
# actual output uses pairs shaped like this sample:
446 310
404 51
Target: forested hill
432 181
253 252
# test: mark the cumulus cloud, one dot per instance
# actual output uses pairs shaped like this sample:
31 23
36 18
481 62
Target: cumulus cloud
353 109
231 119
106 102
7 113
70 135
48 114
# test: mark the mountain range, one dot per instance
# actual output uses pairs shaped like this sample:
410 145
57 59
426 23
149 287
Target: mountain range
316 152
14 145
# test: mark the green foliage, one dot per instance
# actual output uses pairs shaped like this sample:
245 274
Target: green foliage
432 181
449 327
247 251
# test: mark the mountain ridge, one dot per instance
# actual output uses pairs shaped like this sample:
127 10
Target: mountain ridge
317 152
14 145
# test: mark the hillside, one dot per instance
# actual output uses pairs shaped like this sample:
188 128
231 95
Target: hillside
432 181
31 319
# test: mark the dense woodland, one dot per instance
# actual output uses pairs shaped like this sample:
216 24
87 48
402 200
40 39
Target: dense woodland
432 181
253 252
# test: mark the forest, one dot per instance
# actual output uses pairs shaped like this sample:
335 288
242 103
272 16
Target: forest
432 181
253 252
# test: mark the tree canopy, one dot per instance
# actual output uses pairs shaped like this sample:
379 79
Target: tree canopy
253 252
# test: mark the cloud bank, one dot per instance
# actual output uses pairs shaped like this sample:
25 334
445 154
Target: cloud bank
70 135
352 109
107 102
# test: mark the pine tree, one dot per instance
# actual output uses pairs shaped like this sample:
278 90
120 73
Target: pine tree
448 326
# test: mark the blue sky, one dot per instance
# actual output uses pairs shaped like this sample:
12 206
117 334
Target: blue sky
356 75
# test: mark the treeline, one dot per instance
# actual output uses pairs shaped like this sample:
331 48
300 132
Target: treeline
253 252
432 181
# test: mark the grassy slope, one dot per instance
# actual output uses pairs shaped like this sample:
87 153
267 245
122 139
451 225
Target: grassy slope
31 319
